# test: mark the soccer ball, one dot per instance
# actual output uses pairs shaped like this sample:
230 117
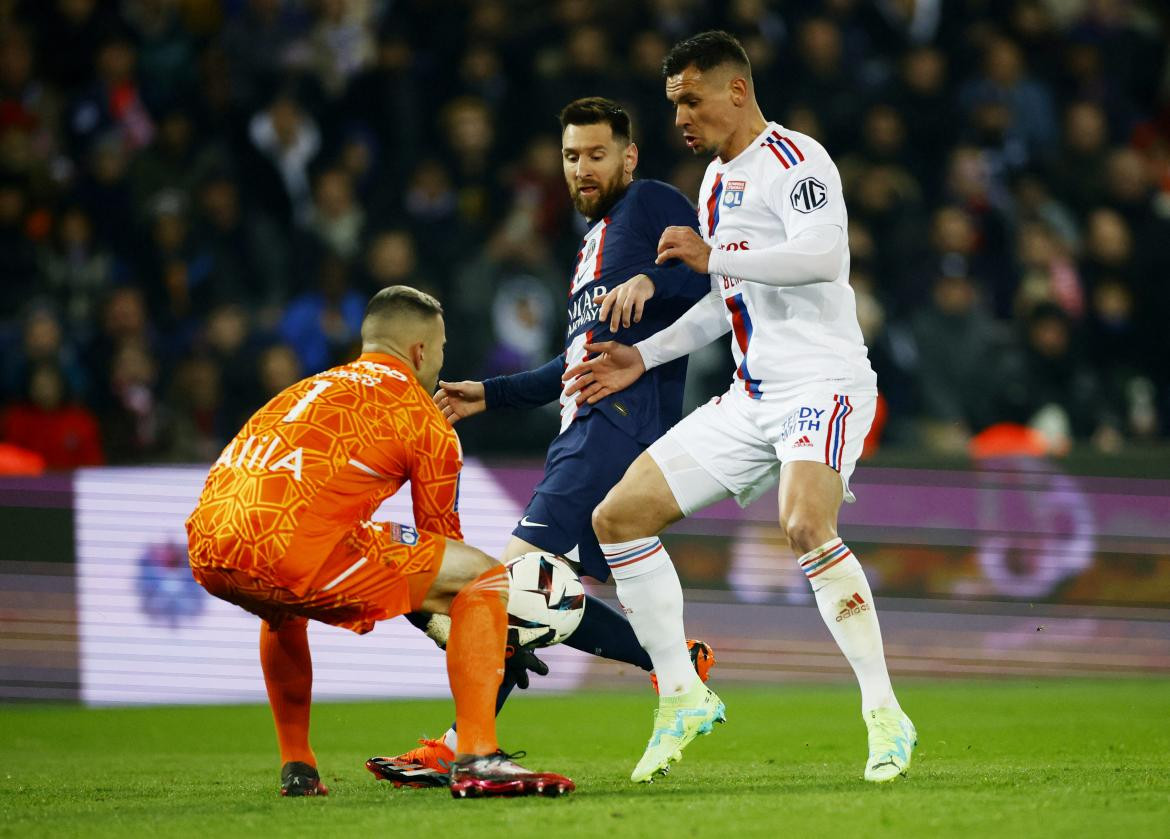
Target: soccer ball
545 593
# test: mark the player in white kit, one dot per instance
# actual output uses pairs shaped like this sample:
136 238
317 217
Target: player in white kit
774 241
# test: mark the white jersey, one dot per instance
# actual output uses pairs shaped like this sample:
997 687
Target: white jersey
784 338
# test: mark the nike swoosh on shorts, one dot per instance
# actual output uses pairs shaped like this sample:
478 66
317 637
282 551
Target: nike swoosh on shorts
524 522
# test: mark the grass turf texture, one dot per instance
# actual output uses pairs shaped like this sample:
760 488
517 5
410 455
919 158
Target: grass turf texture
1000 759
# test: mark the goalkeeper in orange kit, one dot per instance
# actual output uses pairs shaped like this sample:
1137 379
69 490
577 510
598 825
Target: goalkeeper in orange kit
283 530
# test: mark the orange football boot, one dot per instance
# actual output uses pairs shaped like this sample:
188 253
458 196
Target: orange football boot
427 765
701 656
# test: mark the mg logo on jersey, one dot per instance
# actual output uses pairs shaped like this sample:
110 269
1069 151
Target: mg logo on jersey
733 193
809 194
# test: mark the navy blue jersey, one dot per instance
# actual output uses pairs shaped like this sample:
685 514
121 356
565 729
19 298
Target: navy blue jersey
617 248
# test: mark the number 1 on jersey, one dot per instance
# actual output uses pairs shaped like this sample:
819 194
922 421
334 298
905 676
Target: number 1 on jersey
316 390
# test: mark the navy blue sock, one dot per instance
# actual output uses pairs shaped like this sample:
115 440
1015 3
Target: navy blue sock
506 687
605 632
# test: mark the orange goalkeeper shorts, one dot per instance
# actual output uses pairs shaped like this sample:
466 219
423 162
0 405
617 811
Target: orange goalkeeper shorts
379 571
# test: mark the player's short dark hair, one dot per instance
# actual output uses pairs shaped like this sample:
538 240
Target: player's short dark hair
705 51
403 300
593 110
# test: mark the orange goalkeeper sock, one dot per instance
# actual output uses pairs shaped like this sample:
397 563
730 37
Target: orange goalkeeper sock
288 676
475 658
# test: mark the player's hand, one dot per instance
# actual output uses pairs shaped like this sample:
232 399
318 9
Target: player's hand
435 627
460 399
623 304
519 657
615 367
685 244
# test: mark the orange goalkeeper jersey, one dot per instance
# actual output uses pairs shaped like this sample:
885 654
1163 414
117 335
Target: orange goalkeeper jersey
318 460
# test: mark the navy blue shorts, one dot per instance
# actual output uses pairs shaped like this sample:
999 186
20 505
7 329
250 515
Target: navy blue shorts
583 463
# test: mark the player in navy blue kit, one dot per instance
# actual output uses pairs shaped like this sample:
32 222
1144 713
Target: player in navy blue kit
615 285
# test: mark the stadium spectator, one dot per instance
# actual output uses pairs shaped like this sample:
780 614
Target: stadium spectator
1006 106
250 263
1077 174
392 259
1049 384
49 423
29 109
336 221
77 270
339 45
135 425
173 162
43 342
200 428
166 51
112 102
175 272
103 190
123 321
821 79
957 349
276 369
468 129
320 325
1047 271
228 341
256 42
69 35
922 96
284 142
18 255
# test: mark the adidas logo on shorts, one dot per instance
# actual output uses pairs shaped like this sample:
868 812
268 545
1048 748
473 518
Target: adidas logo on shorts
803 441
855 605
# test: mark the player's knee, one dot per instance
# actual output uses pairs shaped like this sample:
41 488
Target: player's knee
473 563
480 565
607 522
806 531
462 566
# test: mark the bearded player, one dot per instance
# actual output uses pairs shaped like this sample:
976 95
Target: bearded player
283 530
597 441
773 225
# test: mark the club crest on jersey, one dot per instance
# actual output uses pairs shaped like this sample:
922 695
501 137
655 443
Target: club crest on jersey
590 249
809 194
733 193
404 534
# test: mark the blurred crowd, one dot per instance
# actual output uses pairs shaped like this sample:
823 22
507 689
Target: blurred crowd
197 198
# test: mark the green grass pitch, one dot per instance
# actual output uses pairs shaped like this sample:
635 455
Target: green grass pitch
1023 758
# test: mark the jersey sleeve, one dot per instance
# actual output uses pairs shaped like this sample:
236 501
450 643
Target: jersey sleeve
529 389
434 477
809 195
662 207
812 256
702 324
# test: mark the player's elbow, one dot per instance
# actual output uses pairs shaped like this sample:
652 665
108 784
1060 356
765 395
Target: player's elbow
825 253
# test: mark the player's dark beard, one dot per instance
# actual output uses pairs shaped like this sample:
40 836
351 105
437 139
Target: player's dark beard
607 195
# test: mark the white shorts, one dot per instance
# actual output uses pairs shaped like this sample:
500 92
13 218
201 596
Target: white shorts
736 446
